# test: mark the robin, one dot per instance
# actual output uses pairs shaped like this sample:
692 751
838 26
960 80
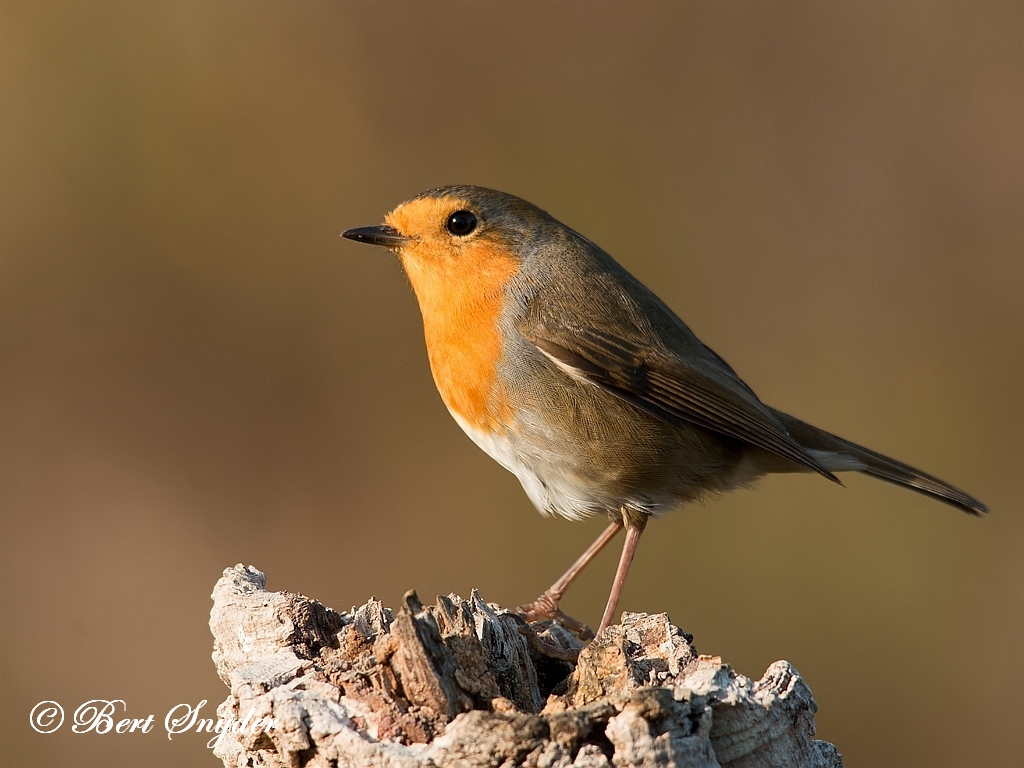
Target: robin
576 378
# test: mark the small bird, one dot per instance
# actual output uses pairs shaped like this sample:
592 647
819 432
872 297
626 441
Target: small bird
576 378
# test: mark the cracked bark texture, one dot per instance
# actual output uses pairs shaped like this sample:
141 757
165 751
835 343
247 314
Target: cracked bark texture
467 683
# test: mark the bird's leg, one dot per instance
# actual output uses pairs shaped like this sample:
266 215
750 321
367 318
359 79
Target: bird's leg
546 606
633 531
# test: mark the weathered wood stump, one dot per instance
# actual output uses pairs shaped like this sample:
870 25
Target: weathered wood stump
467 683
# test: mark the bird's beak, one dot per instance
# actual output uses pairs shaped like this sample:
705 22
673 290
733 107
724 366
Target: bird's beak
384 235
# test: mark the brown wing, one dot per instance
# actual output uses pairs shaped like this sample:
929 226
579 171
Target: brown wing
708 394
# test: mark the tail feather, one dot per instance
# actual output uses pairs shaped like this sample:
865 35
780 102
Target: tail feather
838 455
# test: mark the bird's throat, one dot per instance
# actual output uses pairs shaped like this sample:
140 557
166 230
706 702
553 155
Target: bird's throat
461 308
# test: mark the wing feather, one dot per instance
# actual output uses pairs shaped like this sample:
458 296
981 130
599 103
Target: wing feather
668 387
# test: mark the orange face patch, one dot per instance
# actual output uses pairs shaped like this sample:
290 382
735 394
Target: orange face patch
424 218
460 288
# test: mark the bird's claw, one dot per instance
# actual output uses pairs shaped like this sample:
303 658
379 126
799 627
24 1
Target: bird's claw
545 607
544 646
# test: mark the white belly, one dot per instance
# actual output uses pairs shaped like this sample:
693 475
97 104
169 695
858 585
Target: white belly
552 489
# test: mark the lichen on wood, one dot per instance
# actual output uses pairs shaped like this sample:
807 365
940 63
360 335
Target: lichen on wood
468 683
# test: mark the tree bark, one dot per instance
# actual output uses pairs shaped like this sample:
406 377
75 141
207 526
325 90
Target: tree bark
468 683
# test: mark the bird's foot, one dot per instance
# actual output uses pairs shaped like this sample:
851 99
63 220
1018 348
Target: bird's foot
542 645
546 607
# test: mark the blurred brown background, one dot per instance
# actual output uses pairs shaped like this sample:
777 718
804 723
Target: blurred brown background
197 371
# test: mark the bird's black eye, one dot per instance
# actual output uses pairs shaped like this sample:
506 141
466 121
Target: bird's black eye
461 223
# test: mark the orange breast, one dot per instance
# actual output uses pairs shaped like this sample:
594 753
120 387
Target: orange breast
461 303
